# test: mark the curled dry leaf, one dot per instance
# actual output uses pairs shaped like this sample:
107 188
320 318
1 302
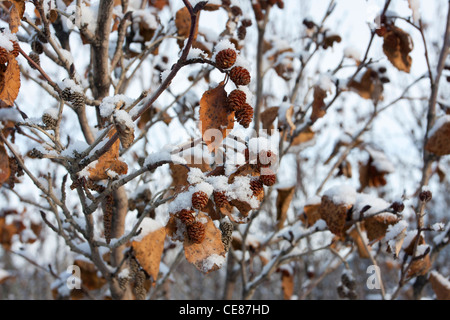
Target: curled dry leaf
318 106
334 214
284 199
439 142
287 284
9 81
5 171
183 25
396 46
109 161
440 285
148 251
16 12
208 255
369 86
215 120
89 275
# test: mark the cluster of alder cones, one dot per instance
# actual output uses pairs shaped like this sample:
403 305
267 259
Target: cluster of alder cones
237 99
195 229
4 54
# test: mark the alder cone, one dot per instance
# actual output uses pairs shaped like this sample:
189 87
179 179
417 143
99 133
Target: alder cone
268 179
240 76
49 121
66 94
196 232
236 99
16 49
220 199
4 56
35 57
199 200
226 58
186 216
78 100
257 187
37 46
244 115
227 234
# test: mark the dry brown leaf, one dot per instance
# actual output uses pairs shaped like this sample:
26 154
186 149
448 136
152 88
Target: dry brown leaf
16 12
148 251
268 117
396 46
369 176
89 275
334 214
5 170
7 231
109 161
284 199
215 121
439 142
304 136
287 284
419 267
183 25
158 4
440 285
369 86
318 106
359 242
9 81
208 255
377 226
311 214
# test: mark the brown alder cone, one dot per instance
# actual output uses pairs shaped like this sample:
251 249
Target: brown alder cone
244 115
107 217
236 99
240 76
16 49
78 100
37 46
4 56
226 58
257 187
196 232
227 234
220 199
242 32
199 200
186 216
49 121
268 179
35 57
66 94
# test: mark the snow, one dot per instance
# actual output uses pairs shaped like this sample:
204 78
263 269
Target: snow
122 117
438 226
240 190
195 175
439 277
108 104
219 183
211 261
352 53
248 94
421 249
223 44
325 83
161 156
376 205
4 274
341 194
69 83
10 114
124 273
165 74
195 53
6 38
314 200
147 226
393 231
380 161
415 8
52 112
204 187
